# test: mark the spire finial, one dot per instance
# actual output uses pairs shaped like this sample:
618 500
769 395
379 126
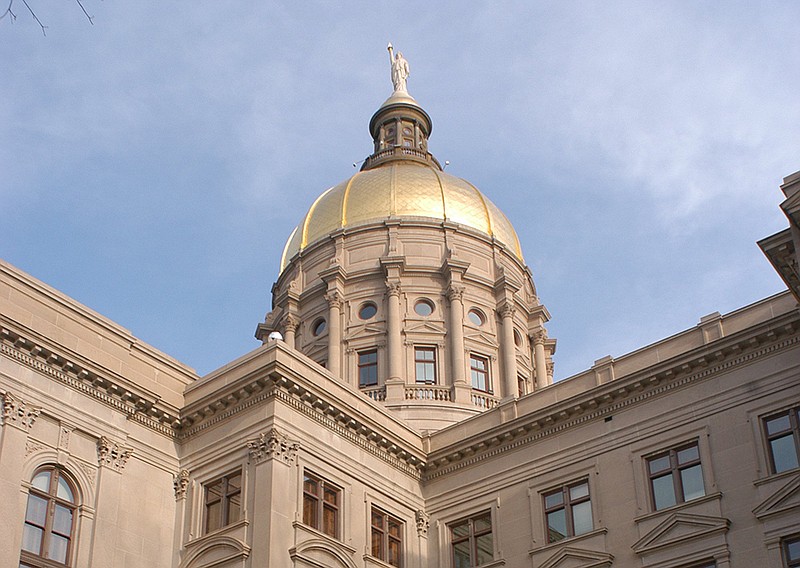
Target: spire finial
400 70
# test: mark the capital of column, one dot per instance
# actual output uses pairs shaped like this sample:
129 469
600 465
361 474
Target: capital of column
273 445
181 483
423 522
507 310
539 337
455 293
17 413
291 323
334 299
112 455
393 288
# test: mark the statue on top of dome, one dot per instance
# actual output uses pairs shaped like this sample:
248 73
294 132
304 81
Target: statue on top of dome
400 70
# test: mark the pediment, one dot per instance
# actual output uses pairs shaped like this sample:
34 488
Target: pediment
425 327
217 551
368 330
784 499
481 337
321 553
679 528
569 557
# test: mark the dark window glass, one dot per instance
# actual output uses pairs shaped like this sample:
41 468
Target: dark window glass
321 504
783 440
367 311
568 511
223 501
319 327
387 537
791 551
476 317
423 308
479 372
425 363
471 541
676 476
367 368
49 520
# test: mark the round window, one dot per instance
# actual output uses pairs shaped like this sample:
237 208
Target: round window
517 338
424 308
367 311
476 316
319 327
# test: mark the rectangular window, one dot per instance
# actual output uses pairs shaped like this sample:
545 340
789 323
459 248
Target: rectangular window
425 363
387 537
471 541
479 372
321 504
568 511
223 501
676 476
791 552
783 439
367 368
522 385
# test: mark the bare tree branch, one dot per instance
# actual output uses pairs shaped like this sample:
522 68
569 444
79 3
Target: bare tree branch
9 11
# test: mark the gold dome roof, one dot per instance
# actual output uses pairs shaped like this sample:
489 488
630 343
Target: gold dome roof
400 190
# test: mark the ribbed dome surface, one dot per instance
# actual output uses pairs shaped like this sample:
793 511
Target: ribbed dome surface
400 190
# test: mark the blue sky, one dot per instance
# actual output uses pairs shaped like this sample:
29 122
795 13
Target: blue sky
153 164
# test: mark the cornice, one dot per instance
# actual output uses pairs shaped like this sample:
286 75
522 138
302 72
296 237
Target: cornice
142 407
609 398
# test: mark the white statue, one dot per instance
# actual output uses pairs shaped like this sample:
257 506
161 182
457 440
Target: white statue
400 70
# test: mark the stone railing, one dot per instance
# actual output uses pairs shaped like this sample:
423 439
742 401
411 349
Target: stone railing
483 400
377 394
428 392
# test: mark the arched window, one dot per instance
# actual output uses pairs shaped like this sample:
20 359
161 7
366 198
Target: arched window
49 531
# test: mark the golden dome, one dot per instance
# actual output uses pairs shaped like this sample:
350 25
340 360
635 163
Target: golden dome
400 190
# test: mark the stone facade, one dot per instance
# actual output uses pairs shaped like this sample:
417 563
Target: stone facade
678 455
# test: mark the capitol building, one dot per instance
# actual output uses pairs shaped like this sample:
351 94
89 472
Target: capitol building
401 410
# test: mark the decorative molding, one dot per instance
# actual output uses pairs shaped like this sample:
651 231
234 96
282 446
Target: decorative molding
112 455
455 293
507 310
64 432
334 299
180 482
273 445
423 522
291 322
393 288
89 470
33 446
17 413
539 337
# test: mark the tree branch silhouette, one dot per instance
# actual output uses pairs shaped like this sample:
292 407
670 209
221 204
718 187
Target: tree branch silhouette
9 12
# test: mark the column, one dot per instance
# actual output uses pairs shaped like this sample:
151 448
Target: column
508 351
334 332
290 324
456 333
393 332
18 417
539 359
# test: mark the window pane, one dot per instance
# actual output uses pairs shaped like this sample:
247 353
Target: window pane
234 483
42 481
582 517
58 548
64 491
310 511
62 520
485 549
214 491
793 550
483 523
461 529
377 519
234 509
394 528
329 521
688 455
213 516
394 553
578 491
784 453
663 492
778 424
331 496
37 510
557 525
658 464
32 539
554 499
377 544
461 555
310 485
692 480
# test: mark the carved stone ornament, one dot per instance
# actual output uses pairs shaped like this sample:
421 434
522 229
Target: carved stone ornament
334 299
291 322
455 293
507 310
551 367
423 522
181 483
17 413
112 455
539 337
273 445
393 287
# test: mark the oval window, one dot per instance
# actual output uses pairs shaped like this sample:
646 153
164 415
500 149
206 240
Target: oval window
476 316
367 311
319 327
517 338
424 308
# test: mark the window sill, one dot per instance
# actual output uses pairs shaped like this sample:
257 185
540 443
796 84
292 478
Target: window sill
570 540
777 476
688 504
